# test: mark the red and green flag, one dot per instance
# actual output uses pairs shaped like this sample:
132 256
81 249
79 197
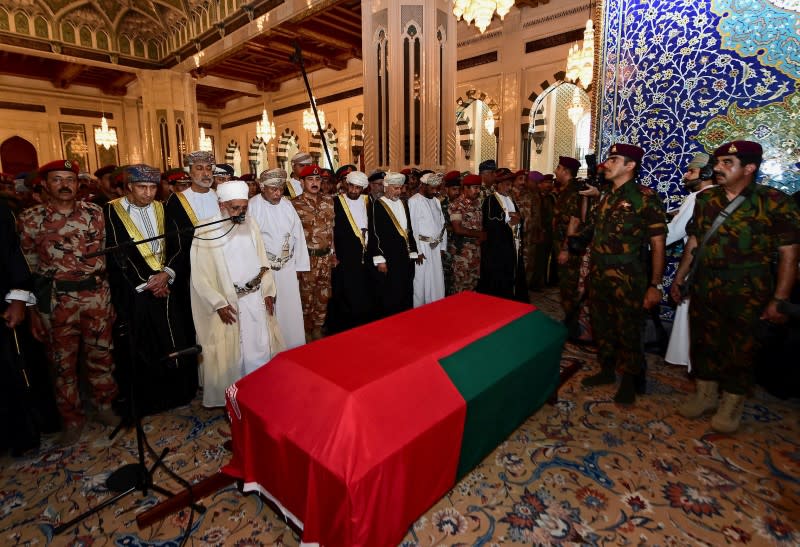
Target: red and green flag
356 435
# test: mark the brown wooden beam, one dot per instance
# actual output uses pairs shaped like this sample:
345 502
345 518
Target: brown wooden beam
67 75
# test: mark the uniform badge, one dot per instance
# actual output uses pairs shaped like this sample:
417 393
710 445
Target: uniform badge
68 165
732 149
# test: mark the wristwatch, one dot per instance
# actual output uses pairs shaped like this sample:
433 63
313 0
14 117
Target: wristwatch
659 286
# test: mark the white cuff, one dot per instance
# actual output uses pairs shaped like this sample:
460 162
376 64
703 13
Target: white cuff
378 260
413 256
171 273
18 294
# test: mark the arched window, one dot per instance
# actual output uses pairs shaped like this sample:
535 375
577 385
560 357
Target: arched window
17 156
382 54
124 45
85 36
4 22
40 27
152 49
22 23
561 115
412 88
163 131
67 33
102 40
138 48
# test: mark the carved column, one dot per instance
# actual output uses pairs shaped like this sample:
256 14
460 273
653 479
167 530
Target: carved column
169 117
409 59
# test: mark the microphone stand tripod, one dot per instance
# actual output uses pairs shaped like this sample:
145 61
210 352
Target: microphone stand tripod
137 476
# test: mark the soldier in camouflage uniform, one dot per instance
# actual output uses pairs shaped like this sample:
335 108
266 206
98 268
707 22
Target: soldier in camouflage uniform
452 186
532 225
733 287
466 216
542 271
627 219
567 222
76 316
316 213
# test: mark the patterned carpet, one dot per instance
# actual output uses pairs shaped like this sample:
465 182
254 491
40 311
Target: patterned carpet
582 472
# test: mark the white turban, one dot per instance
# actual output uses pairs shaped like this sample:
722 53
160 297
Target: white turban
357 178
273 177
394 179
432 179
302 158
233 189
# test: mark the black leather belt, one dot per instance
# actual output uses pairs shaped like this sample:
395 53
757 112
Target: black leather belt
319 252
88 284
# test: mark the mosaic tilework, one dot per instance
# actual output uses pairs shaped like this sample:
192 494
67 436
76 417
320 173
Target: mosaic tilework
683 75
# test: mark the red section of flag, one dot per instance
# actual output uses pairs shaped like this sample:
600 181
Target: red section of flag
358 434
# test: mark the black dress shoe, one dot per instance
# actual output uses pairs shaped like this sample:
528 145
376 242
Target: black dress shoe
626 394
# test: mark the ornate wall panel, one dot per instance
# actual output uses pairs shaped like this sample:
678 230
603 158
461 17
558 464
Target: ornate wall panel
680 76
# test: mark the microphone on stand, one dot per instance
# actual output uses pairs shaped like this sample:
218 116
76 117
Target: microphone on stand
191 350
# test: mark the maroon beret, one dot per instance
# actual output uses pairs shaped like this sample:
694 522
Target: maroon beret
570 163
628 150
406 171
310 171
248 177
471 180
535 176
745 148
59 165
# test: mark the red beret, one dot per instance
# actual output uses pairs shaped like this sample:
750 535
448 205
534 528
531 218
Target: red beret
59 165
628 150
326 172
503 174
520 173
248 177
570 163
745 148
310 170
549 177
535 176
406 171
471 180
452 179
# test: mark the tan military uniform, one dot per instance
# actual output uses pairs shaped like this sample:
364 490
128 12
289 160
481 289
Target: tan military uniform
466 251
316 214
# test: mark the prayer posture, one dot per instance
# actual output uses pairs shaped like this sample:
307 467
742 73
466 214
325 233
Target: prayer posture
233 297
427 222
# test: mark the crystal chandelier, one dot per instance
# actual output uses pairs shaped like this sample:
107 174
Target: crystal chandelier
265 129
104 136
580 60
575 110
481 11
309 122
205 142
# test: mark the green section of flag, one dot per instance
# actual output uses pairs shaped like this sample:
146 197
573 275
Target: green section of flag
504 378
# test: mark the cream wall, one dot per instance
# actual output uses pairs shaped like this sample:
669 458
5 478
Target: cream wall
509 81
41 128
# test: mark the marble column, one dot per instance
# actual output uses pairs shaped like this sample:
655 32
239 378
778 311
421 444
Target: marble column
409 59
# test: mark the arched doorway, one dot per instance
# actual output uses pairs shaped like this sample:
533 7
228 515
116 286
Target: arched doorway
560 126
18 156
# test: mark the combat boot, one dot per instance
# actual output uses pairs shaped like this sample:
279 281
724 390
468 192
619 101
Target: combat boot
729 415
626 394
604 377
704 399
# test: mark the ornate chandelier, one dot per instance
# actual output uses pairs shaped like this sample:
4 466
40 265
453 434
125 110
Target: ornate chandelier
205 142
481 11
309 122
575 110
104 136
580 60
265 129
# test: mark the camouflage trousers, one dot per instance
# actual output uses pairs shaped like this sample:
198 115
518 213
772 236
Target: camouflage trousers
315 291
448 261
81 323
466 266
616 295
723 315
568 276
